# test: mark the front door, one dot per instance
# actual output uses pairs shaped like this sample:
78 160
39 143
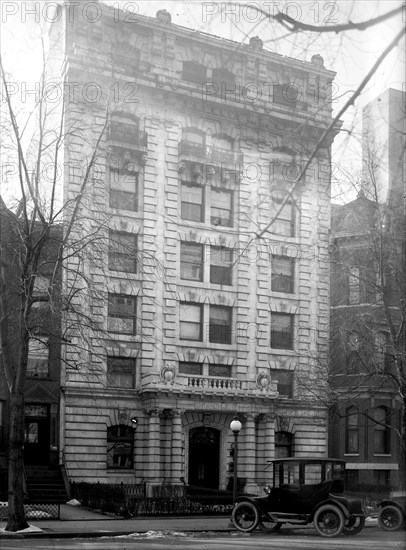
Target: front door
204 457
36 440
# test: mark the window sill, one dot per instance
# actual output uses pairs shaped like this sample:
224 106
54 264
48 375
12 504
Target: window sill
351 454
386 455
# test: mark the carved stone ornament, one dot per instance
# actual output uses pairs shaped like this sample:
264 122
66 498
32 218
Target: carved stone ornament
144 159
168 373
181 167
263 381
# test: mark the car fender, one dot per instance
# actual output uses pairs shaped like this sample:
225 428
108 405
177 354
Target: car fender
260 503
332 502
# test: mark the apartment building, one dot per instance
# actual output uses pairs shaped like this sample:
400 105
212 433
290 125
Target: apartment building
211 286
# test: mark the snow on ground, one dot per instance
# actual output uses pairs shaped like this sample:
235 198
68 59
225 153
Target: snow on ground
29 529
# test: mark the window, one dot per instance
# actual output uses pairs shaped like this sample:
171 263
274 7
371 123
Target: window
224 79
361 285
125 128
191 321
354 360
192 206
194 72
220 370
1 423
221 207
191 368
284 223
283 444
120 447
220 325
354 285
282 331
221 262
351 479
38 357
122 251
191 261
382 358
381 430
41 294
120 372
352 431
285 94
193 143
282 278
123 189
382 477
284 379
122 312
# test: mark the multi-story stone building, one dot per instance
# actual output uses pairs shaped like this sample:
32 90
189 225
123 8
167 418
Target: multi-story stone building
212 289
368 306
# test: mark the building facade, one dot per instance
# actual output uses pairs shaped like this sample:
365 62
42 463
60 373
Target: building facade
42 384
367 299
211 288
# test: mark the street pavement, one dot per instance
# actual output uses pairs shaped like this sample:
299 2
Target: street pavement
76 521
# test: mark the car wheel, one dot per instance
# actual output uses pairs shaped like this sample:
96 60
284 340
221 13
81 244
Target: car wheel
354 525
245 516
270 526
390 518
329 521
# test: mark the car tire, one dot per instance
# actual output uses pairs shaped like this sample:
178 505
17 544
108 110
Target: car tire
329 521
270 526
390 518
245 516
354 525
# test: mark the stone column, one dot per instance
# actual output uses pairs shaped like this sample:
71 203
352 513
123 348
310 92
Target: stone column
154 446
249 457
269 446
176 447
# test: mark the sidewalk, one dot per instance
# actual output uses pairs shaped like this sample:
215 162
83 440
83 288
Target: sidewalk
80 522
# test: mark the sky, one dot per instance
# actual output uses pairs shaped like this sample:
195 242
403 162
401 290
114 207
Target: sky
350 54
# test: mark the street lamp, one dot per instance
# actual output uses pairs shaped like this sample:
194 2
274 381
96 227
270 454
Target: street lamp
235 427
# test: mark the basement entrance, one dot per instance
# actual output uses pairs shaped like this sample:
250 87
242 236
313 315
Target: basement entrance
204 457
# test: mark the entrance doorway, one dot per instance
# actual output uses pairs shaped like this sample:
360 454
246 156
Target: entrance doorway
36 437
204 457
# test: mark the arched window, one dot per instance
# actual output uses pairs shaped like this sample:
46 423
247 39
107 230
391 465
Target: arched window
381 430
352 431
193 142
283 444
194 72
120 447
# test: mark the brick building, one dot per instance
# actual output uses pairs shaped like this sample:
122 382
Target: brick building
367 296
42 384
199 318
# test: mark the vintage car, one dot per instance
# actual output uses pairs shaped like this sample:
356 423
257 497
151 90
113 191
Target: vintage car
304 490
392 513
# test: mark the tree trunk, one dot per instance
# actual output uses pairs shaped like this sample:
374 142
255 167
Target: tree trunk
16 514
